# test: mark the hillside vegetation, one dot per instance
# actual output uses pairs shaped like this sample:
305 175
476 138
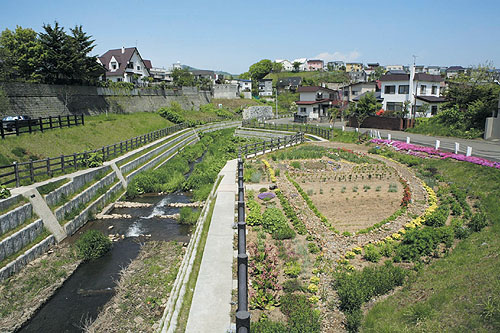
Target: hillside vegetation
311 78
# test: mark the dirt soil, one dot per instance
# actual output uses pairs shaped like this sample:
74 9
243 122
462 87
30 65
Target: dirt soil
25 292
143 290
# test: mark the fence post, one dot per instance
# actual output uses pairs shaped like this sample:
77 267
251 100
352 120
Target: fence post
17 127
29 126
50 121
60 121
2 133
41 124
76 120
32 173
16 173
242 314
62 163
48 167
83 120
68 120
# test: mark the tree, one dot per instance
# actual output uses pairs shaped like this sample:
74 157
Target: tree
277 67
182 77
296 66
377 73
86 69
366 106
260 69
57 58
20 52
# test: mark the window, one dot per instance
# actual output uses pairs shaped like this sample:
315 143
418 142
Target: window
315 110
435 90
354 92
404 89
392 106
346 93
434 110
319 95
303 110
390 89
113 65
119 79
423 89
138 68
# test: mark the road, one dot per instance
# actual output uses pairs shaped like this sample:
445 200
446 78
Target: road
480 148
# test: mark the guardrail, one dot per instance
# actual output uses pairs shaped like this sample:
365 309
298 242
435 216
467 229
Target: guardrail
17 127
270 145
17 172
325 133
242 314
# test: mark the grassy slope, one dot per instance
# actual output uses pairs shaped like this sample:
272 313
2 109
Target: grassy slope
236 103
330 76
461 292
98 131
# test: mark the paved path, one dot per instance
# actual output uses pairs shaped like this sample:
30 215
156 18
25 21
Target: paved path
480 148
211 305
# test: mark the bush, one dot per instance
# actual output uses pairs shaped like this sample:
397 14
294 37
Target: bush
93 160
422 242
188 215
4 192
292 269
438 217
275 223
459 229
254 216
478 222
301 316
292 285
313 248
372 253
92 245
268 326
353 320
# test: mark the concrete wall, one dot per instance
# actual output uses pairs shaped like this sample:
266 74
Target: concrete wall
20 239
14 218
492 128
10 201
253 112
42 100
226 91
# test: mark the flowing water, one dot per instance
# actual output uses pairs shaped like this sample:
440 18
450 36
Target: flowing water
83 294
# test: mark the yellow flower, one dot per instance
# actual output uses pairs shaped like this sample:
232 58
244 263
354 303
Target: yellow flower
396 236
314 280
350 254
357 250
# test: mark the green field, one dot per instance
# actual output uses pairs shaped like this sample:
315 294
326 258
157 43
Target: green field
98 131
316 77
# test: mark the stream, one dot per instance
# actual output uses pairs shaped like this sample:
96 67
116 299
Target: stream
80 299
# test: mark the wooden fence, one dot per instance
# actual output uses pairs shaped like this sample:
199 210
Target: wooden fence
325 133
17 127
270 145
26 172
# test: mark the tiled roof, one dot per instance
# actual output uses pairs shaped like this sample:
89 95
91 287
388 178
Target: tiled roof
313 89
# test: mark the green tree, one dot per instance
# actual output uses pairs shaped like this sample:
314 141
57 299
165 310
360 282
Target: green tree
20 52
260 69
366 107
296 66
277 67
377 73
86 69
57 58
182 77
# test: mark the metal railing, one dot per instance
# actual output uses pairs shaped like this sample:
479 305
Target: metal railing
18 172
270 145
323 132
242 313
17 127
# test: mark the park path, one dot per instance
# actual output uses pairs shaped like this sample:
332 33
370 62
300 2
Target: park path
211 305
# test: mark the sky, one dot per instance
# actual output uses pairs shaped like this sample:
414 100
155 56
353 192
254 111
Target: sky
232 35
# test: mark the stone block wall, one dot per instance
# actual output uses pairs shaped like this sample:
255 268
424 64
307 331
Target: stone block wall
226 91
12 219
20 239
10 201
255 112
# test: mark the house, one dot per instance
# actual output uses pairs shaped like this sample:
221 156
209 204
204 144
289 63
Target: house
314 103
372 65
419 69
433 70
204 74
454 71
391 68
335 65
124 65
315 65
396 89
302 62
160 74
287 65
358 76
353 67
244 85
377 95
354 90
266 87
288 83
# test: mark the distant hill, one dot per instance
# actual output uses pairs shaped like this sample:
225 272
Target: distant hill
189 68
316 77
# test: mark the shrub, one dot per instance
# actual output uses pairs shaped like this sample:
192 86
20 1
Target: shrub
420 242
478 222
4 192
284 233
313 248
293 285
353 320
301 316
268 326
292 269
372 253
92 245
459 229
262 190
254 216
275 223
387 249
188 215
93 160
295 164
438 217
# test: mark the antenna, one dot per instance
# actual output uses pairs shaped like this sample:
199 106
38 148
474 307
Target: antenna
414 59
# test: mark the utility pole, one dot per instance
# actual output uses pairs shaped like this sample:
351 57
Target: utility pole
276 100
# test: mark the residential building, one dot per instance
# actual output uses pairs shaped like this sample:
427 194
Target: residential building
354 90
314 103
288 83
397 89
244 85
303 64
391 68
204 74
356 76
266 87
433 70
124 65
419 69
160 74
287 65
353 67
335 65
454 71
372 65
315 65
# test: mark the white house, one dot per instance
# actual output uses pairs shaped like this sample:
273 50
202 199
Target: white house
303 64
266 87
354 90
287 65
124 65
425 88
394 68
314 103
244 85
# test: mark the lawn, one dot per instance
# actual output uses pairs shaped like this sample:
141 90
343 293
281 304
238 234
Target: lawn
98 131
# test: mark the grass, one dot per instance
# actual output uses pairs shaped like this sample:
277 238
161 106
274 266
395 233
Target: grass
98 131
49 187
460 292
337 76
188 296
235 104
13 256
20 201
32 219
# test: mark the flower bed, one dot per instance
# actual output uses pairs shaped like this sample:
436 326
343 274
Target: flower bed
421 151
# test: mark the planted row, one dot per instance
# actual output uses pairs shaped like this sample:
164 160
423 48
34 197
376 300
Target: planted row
299 226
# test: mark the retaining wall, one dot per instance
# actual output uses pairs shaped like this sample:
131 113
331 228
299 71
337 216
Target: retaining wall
15 217
11 201
20 239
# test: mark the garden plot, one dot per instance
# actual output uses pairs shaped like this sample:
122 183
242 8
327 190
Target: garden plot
351 196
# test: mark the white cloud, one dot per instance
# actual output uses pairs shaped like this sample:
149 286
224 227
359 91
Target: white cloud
351 56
